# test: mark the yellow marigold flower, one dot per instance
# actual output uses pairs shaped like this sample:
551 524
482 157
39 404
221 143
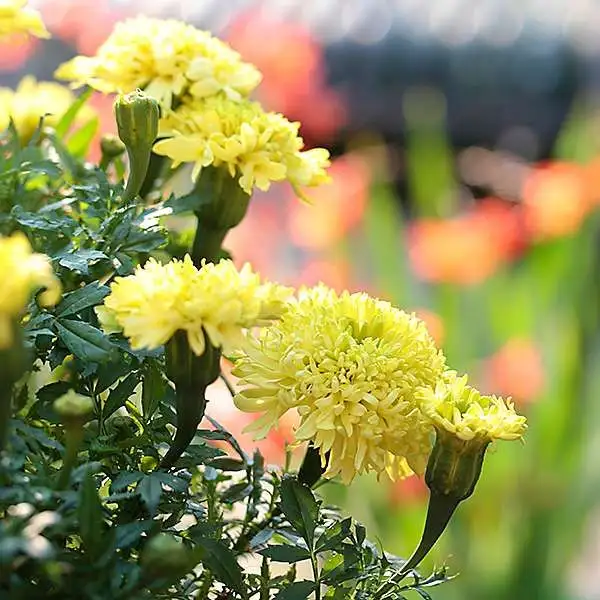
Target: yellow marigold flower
16 17
21 272
165 58
350 365
460 409
158 300
33 100
258 147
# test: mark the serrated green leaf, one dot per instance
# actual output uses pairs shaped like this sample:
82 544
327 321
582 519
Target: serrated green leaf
333 535
237 492
128 535
153 390
125 479
226 463
85 297
285 553
150 489
120 394
67 119
361 534
261 538
91 517
300 508
299 590
79 261
222 562
50 392
85 341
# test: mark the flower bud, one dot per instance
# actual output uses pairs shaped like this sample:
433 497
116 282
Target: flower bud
137 117
111 146
74 409
163 555
122 427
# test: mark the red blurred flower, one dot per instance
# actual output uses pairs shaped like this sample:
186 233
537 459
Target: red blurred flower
336 207
411 490
466 249
516 370
16 50
84 24
556 199
294 80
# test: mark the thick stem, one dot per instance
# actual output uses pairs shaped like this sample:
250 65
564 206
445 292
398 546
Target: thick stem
191 375
440 510
154 172
191 405
207 243
138 167
74 439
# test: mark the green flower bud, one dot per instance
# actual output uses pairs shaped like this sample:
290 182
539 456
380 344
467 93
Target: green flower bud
74 409
137 117
165 556
111 146
137 122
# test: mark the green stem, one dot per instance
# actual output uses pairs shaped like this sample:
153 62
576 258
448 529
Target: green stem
154 172
207 243
440 510
138 167
315 569
191 405
74 440
191 375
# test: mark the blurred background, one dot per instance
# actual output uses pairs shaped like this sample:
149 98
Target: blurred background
466 184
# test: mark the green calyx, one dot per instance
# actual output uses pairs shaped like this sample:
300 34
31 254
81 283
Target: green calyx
452 473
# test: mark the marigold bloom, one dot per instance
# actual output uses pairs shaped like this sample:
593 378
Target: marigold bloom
33 100
21 272
158 300
165 58
459 409
350 365
17 18
257 146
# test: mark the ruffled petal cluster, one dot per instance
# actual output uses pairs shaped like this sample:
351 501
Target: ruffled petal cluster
22 272
33 100
257 147
165 58
350 365
17 18
217 299
455 407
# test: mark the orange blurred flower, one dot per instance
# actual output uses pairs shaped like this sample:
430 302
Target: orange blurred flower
516 370
336 207
556 199
466 249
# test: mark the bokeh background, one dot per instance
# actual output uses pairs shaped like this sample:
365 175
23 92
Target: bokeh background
466 185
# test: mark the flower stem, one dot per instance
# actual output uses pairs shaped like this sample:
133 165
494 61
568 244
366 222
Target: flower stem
440 510
74 439
138 166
